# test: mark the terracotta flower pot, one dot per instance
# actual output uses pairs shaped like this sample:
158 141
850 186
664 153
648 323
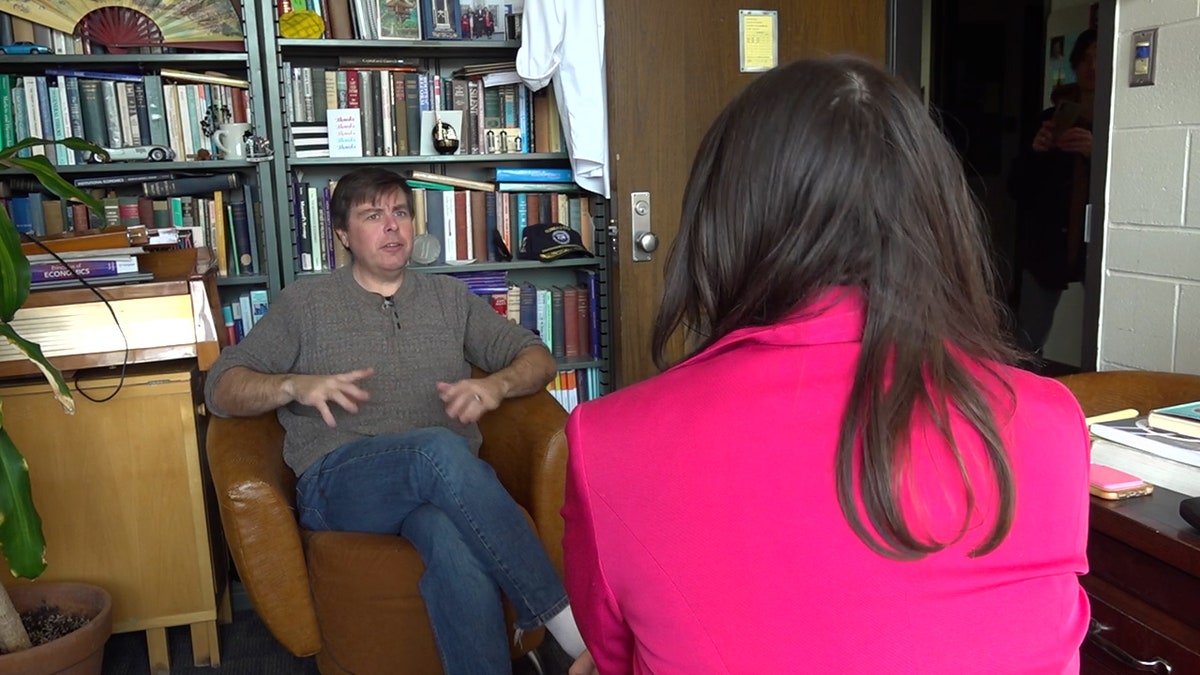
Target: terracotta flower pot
79 653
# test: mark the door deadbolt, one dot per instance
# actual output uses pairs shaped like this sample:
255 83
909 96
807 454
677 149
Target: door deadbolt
644 241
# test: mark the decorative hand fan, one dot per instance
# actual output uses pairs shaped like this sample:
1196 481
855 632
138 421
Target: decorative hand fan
210 24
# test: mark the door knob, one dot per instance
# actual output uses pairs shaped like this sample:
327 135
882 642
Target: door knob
644 240
647 241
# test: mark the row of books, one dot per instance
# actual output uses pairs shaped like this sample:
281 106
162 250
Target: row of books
223 220
470 225
565 316
572 387
19 29
410 20
398 108
242 313
1162 447
119 110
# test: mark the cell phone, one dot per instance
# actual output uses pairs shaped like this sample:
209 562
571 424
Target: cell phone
1106 482
1066 114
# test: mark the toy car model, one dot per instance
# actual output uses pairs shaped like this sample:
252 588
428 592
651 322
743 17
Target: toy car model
25 48
136 153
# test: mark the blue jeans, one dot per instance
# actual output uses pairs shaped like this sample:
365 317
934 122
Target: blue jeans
426 486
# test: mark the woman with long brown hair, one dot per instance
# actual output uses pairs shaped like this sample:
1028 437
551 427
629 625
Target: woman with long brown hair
843 475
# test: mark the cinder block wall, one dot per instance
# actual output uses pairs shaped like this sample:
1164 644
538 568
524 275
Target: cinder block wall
1150 297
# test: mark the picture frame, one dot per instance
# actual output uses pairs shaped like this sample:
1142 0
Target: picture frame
483 20
441 19
399 19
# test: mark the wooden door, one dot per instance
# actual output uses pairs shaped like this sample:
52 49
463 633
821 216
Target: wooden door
672 66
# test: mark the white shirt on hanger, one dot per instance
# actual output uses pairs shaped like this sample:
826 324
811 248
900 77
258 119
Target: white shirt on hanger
563 41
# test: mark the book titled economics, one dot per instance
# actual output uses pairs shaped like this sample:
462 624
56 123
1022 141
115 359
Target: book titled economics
56 271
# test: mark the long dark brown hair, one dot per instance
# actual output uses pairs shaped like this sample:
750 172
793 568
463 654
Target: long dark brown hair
831 173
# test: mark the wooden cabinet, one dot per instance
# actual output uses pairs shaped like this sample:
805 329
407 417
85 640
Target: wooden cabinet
121 488
1144 587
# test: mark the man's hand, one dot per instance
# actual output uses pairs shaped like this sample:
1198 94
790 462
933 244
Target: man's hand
1075 140
584 665
319 391
1044 139
467 400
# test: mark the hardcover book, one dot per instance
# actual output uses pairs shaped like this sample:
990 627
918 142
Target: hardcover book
1181 419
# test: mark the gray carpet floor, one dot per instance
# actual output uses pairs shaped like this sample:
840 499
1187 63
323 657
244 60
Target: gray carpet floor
247 648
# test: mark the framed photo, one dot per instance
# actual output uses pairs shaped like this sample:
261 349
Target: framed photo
441 19
482 21
399 19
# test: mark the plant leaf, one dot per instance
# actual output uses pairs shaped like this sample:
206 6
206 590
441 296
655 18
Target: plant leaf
33 352
21 537
48 176
74 143
14 269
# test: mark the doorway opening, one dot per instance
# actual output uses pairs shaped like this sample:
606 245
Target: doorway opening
997 72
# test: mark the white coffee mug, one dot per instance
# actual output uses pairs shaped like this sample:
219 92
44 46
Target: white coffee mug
231 139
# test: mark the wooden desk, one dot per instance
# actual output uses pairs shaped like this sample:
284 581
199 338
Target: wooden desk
1144 587
122 486
172 317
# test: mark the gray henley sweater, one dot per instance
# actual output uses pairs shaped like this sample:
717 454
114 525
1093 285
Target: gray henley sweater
329 324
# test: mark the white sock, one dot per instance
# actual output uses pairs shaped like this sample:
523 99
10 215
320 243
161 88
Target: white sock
566 633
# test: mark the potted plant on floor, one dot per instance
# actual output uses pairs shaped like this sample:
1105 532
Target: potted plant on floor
21 538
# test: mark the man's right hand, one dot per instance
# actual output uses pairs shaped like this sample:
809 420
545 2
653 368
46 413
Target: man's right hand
1044 139
319 391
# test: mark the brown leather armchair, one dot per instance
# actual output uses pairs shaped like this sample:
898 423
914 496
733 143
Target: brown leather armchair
352 599
1113 390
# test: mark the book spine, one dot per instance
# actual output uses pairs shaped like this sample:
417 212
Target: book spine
94 75
138 104
533 175
156 112
8 132
20 114
84 268
240 224
58 121
112 118
120 179
191 185
75 113
412 112
91 105
45 112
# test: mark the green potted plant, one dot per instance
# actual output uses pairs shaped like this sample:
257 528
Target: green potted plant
21 538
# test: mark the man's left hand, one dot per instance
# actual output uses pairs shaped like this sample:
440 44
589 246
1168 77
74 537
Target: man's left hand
467 400
1076 140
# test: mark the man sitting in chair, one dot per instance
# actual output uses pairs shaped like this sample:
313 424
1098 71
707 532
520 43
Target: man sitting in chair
369 370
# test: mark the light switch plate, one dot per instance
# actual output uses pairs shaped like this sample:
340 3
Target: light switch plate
1143 52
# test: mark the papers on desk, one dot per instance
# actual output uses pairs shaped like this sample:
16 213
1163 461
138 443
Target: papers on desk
1168 460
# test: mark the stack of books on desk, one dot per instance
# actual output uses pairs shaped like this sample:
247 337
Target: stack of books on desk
1140 446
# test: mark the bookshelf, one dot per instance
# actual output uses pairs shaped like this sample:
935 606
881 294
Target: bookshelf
292 66
150 74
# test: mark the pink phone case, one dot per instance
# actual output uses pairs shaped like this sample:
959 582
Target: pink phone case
1112 480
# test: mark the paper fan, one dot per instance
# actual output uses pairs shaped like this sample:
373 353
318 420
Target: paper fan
179 21
119 28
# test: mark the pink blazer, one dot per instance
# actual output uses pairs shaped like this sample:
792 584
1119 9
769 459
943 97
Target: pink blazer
703 533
